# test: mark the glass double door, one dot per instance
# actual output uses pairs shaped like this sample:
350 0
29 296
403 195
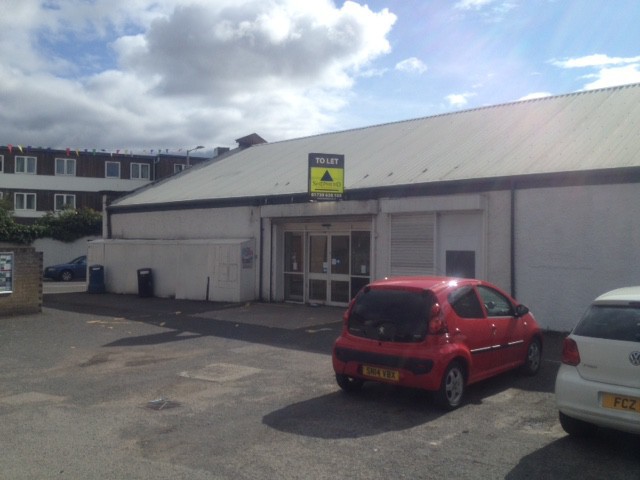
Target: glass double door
328 277
326 268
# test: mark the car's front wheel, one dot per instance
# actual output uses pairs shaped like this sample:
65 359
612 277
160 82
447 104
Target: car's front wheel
66 276
349 384
452 387
575 427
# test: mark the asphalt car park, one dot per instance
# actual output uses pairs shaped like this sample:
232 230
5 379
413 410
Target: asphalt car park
122 387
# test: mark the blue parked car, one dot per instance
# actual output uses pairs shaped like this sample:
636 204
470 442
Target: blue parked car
76 269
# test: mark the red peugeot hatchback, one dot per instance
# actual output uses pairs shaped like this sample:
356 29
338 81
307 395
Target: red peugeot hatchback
435 333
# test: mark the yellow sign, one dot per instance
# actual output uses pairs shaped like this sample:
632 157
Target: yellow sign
326 176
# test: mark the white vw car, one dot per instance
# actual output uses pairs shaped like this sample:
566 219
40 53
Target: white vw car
598 384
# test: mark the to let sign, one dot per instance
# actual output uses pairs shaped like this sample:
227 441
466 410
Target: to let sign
326 176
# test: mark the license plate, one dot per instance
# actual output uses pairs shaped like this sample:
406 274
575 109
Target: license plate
620 402
381 373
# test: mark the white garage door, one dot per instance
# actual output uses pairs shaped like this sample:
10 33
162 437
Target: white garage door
412 244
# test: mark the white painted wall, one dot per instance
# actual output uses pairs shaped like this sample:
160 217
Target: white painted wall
232 222
489 214
574 244
498 239
461 231
181 269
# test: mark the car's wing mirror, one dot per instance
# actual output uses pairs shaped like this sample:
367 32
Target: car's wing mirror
521 311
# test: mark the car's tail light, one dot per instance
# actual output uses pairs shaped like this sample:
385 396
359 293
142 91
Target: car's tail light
437 325
570 353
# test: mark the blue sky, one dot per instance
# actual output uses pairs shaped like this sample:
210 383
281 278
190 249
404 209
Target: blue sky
172 74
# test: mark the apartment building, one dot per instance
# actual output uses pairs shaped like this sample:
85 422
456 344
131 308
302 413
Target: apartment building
41 180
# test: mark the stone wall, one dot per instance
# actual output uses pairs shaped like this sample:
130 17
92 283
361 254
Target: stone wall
26 294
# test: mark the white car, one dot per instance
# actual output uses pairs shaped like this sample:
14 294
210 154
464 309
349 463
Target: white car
598 384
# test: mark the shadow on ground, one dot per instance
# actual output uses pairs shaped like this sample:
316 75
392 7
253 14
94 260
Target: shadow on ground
180 318
376 409
595 455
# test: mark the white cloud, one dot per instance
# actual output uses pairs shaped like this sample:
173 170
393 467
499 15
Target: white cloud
609 71
534 95
611 77
459 100
596 60
412 65
472 4
372 72
180 72
494 10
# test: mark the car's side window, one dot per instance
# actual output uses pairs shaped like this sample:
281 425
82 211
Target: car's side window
465 303
497 305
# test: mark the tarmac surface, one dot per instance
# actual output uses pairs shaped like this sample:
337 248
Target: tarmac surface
190 314
123 387
280 315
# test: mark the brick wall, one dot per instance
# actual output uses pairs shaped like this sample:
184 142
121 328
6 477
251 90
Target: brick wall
27 281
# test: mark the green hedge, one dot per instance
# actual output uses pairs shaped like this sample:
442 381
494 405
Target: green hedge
67 225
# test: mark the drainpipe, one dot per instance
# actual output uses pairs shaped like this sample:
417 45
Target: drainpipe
261 251
106 218
513 241
271 261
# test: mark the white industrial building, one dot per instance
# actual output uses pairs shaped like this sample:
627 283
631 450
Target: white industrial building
540 197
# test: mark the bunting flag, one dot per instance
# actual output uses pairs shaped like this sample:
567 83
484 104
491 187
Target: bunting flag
119 151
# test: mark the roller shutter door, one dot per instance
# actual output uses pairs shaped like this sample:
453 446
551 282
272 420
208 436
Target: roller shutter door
412 244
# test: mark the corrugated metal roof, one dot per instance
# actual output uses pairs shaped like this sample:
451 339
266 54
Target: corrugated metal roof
583 131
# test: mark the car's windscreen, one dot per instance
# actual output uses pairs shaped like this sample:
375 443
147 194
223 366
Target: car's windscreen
611 322
390 315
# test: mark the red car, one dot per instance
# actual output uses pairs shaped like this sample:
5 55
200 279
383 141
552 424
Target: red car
435 333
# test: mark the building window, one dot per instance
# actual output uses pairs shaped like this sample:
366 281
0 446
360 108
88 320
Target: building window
178 167
26 165
24 201
112 170
1 163
140 171
65 166
63 201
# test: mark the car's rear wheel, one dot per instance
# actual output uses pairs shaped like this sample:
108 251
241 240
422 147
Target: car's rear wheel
452 387
66 276
534 358
349 384
575 427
